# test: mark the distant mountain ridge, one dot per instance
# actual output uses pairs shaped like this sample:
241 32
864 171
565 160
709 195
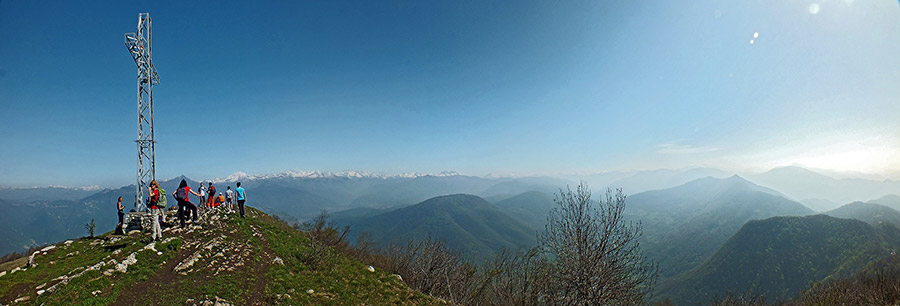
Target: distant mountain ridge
241 176
890 200
684 225
663 178
868 212
300 195
31 223
531 207
467 223
293 198
527 184
801 183
49 193
781 256
82 188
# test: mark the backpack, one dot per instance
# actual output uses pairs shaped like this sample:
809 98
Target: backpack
162 198
154 198
180 194
212 191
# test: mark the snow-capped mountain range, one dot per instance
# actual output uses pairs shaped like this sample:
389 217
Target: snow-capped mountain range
242 176
82 188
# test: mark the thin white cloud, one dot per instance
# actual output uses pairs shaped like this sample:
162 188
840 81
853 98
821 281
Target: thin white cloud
676 147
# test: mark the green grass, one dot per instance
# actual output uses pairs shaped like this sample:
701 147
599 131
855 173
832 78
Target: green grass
336 279
69 260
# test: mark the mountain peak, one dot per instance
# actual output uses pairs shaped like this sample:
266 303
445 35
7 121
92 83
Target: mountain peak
768 251
869 212
738 178
732 183
729 182
709 187
466 222
887 197
795 170
454 201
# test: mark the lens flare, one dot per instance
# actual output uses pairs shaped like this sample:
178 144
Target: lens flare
814 8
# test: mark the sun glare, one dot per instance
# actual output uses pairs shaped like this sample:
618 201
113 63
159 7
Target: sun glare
814 9
869 160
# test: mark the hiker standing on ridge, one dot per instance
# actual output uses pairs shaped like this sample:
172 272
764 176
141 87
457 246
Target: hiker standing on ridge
184 203
212 195
119 227
161 204
241 197
154 210
229 198
202 195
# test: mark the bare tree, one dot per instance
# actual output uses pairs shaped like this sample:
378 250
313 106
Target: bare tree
323 236
325 232
512 278
90 226
431 267
594 255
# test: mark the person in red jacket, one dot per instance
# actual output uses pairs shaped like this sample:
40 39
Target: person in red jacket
212 195
184 202
154 210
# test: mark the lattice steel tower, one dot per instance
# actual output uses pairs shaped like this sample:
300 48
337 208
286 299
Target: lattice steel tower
139 46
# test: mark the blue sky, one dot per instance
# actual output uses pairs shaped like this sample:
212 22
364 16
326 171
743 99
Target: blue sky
477 87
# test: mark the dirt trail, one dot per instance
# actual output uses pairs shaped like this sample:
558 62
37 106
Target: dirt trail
258 292
17 290
223 251
147 292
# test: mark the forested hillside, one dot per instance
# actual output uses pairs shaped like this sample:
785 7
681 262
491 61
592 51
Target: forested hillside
781 256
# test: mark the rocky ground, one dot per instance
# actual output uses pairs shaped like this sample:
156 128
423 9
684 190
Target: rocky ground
221 260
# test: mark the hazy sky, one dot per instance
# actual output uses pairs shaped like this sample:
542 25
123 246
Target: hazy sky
478 87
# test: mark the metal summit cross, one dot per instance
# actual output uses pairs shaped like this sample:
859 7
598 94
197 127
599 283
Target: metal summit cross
138 45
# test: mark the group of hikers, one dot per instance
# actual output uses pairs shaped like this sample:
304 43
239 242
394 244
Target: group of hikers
187 210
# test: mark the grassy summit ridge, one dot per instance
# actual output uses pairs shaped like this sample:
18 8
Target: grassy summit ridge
254 261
